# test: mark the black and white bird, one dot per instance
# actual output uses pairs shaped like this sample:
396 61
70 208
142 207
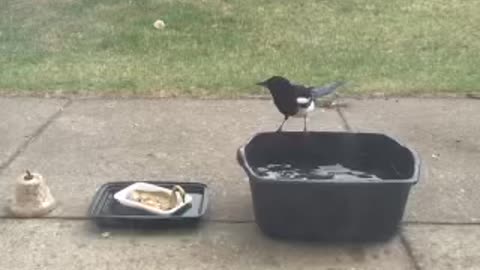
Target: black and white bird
294 100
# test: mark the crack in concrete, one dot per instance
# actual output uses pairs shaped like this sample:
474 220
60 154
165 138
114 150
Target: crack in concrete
409 250
34 136
220 220
85 218
441 223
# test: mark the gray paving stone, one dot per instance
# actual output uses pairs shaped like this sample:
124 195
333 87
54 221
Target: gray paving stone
98 141
445 132
20 118
50 244
445 247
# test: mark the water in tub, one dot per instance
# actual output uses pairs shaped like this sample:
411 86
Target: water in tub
286 171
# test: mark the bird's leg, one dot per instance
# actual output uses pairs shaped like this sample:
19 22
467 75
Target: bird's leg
305 123
281 126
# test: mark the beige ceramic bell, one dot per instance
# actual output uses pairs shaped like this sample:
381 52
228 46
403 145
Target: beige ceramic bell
32 196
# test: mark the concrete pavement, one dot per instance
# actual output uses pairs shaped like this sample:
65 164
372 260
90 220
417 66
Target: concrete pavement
445 133
80 144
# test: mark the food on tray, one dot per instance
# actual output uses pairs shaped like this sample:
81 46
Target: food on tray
158 199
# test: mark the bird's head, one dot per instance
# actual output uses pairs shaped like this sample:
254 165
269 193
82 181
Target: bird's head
275 82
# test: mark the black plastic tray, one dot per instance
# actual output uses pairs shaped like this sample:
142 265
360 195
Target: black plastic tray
107 212
343 208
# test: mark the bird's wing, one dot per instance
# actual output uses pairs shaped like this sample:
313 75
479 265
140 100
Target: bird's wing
303 100
303 95
325 90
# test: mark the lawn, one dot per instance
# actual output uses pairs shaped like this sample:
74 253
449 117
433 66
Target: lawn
221 48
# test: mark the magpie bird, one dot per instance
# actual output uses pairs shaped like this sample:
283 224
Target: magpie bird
295 100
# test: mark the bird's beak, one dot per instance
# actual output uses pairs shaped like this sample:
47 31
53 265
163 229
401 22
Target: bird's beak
264 84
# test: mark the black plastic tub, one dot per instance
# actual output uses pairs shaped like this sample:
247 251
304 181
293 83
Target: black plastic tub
360 195
107 212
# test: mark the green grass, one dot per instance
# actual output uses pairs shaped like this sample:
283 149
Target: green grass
221 48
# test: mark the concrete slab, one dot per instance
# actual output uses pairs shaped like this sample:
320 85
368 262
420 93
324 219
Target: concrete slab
445 247
50 244
98 141
20 118
445 133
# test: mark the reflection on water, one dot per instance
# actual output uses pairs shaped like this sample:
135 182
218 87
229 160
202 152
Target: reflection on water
287 171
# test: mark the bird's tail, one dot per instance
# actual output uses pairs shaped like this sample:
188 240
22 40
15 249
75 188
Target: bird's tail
325 90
